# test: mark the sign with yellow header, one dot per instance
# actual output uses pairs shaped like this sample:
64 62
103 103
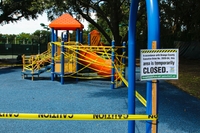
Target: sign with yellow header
158 64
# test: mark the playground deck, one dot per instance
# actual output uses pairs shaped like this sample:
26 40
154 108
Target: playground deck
178 111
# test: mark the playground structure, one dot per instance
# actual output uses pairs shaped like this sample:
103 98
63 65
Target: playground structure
36 64
81 50
73 59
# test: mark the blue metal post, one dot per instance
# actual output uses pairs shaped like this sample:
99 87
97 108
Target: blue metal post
77 35
62 63
153 35
56 38
77 43
131 62
89 39
113 66
67 36
149 105
81 36
123 60
52 55
62 36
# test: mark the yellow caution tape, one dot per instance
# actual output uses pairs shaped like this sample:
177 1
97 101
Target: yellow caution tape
140 98
26 116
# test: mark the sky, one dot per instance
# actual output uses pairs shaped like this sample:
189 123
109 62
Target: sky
28 26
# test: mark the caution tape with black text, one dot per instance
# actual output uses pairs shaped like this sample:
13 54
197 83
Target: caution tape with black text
31 116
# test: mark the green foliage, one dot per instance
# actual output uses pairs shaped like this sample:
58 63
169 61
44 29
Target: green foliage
109 14
38 37
179 20
14 10
41 37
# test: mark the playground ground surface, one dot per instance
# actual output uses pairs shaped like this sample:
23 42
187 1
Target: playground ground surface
189 73
178 111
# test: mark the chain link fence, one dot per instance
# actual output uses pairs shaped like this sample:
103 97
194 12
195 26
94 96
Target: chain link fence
8 51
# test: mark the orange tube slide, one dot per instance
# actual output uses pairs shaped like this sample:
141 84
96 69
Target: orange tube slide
99 64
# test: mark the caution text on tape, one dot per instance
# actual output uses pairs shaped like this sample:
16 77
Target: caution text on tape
76 116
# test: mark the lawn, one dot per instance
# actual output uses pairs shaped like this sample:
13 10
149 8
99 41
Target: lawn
189 77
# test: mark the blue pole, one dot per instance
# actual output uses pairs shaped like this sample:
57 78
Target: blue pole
123 60
153 35
56 48
77 35
62 61
67 36
131 62
77 41
81 36
56 35
149 105
62 36
89 39
52 55
113 66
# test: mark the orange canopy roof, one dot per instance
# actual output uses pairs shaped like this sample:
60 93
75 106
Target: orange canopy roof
66 22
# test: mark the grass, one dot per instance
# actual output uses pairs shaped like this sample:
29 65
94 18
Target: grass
189 77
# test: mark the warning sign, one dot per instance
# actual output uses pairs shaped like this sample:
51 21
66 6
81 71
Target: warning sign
159 64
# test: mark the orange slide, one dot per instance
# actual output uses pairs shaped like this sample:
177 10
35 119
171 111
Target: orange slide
99 64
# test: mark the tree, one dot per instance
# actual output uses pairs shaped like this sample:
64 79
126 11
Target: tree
15 10
23 38
110 11
179 19
41 37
